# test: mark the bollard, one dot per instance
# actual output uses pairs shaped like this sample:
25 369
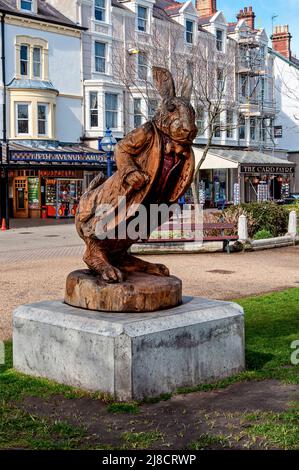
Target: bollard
242 228
292 228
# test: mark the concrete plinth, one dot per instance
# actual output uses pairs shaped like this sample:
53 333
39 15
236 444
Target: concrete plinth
130 356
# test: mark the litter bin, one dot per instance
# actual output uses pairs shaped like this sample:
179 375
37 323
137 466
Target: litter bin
44 212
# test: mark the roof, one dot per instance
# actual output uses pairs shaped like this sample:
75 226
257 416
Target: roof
249 157
231 158
31 84
45 12
204 19
292 61
51 146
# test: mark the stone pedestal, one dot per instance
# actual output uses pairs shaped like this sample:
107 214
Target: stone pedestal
138 293
130 355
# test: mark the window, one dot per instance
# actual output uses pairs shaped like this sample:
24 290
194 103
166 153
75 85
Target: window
93 108
229 124
262 89
151 108
111 106
100 57
142 65
137 112
24 60
200 122
220 82
31 57
22 118
42 117
243 84
189 32
219 40
241 127
217 126
252 128
100 10
27 5
37 62
142 19
263 130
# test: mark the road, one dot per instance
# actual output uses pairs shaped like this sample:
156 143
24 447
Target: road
36 260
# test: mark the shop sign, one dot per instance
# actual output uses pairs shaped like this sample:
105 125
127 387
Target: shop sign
277 132
268 169
55 157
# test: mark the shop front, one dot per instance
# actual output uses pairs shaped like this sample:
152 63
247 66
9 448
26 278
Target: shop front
229 176
43 184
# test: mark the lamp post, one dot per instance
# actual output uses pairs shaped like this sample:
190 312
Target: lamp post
107 144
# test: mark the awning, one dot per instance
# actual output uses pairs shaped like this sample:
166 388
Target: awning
249 161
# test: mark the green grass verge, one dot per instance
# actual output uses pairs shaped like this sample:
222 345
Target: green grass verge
271 325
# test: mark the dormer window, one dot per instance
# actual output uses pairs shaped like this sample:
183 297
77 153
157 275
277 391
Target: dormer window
100 10
142 19
189 32
27 5
219 40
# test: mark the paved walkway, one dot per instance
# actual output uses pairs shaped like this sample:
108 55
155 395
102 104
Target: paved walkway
35 263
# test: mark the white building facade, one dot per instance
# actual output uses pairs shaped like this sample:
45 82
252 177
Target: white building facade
41 103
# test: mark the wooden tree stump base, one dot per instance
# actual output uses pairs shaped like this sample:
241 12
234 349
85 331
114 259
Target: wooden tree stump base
140 292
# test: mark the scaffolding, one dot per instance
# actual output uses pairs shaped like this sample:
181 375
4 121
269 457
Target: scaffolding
253 77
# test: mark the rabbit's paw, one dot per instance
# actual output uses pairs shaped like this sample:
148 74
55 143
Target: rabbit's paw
157 269
111 274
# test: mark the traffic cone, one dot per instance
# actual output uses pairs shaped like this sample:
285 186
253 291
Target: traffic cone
3 225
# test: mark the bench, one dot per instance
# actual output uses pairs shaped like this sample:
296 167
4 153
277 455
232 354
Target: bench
220 227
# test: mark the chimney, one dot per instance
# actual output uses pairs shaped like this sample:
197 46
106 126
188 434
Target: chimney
248 15
281 40
206 7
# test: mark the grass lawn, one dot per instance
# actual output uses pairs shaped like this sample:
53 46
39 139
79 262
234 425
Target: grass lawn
272 324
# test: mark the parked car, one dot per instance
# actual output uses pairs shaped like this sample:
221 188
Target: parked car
292 198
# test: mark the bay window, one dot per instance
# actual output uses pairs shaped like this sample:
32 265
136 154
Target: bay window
111 110
151 108
142 66
229 124
200 121
22 112
42 119
137 112
242 124
94 109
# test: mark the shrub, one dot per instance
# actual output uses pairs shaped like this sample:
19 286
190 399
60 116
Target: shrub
262 234
261 216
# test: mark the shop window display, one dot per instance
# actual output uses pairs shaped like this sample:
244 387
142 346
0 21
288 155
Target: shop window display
62 197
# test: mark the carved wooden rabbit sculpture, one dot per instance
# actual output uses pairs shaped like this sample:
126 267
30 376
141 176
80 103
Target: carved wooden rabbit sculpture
155 164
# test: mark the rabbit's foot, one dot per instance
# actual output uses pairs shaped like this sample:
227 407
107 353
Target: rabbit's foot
130 263
107 272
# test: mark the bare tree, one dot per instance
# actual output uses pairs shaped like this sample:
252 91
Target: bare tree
213 72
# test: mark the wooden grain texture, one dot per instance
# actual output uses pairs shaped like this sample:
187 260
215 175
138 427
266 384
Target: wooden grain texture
139 292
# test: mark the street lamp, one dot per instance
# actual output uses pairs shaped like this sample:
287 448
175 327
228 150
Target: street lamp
107 144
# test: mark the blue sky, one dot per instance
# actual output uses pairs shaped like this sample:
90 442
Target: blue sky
287 11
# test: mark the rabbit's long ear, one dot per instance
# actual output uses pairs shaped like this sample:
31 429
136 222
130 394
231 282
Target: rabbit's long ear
187 86
164 83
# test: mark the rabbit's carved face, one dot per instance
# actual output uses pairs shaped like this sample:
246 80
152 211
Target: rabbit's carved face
175 116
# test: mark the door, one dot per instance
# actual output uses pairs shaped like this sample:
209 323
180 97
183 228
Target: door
20 197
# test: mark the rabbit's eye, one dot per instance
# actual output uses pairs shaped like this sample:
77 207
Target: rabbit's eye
170 107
